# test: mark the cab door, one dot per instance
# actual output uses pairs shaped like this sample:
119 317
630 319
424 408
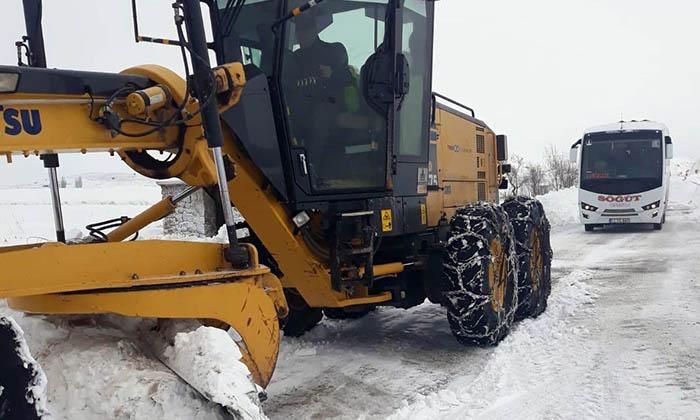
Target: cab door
414 40
338 140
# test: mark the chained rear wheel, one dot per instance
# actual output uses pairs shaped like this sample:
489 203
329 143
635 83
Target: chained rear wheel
480 275
531 231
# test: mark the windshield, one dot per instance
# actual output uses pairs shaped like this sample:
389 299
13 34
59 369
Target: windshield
342 138
250 39
622 163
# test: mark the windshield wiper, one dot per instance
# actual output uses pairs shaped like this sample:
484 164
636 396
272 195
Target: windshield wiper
231 12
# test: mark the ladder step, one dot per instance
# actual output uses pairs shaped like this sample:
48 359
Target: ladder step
358 214
361 251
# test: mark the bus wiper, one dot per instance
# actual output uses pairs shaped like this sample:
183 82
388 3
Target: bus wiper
295 12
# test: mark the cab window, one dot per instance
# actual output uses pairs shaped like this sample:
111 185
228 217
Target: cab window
343 138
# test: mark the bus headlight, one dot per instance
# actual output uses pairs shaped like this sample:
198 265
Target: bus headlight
652 206
588 207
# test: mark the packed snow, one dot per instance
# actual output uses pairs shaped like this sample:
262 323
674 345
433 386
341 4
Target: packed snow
209 360
98 370
620 338
559 208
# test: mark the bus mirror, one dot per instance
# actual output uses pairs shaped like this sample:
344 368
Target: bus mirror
573 154
501 147
669 147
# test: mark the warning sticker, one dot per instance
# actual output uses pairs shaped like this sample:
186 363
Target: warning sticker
422 180
423 214
387 225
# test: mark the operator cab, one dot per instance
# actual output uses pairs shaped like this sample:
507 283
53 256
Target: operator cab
349 83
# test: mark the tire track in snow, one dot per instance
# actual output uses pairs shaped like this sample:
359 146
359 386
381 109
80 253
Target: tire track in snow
549 367
524 366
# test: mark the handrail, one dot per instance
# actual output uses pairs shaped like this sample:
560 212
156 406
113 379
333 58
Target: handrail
452 101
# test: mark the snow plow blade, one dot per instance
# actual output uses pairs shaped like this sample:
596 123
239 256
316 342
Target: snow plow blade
152 279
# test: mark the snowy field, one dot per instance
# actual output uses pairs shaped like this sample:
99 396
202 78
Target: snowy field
620 338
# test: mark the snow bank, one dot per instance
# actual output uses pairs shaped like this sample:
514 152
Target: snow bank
685 186
561 206
499 380
99 368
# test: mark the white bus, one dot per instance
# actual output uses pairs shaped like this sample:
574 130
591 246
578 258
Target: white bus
624 173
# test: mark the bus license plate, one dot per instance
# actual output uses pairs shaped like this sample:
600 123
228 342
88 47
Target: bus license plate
620 220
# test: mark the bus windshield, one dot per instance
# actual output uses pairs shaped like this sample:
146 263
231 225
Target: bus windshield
622 163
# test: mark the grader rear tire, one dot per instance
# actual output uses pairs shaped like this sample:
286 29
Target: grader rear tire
531 230
480 275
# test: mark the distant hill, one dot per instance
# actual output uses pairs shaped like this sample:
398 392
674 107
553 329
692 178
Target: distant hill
91 180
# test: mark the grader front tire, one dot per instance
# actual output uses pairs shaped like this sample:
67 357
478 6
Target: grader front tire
480 275
347 313
531 230
302 317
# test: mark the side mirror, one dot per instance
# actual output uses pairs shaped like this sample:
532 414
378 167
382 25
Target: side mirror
573 152
376 76
403 76
573 155
669 147
506 168
501 147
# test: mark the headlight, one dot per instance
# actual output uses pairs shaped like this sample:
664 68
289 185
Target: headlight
301 219
588 207
654 205
8 82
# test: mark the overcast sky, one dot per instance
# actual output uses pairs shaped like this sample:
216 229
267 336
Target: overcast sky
540 71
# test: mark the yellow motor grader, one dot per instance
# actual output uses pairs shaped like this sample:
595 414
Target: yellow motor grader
359 186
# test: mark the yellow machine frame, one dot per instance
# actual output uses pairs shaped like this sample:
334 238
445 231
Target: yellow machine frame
160 278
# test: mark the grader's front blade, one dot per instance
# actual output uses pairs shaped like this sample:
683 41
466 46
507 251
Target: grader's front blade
153 279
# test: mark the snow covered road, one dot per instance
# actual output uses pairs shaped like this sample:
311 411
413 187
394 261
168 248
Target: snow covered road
620 338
